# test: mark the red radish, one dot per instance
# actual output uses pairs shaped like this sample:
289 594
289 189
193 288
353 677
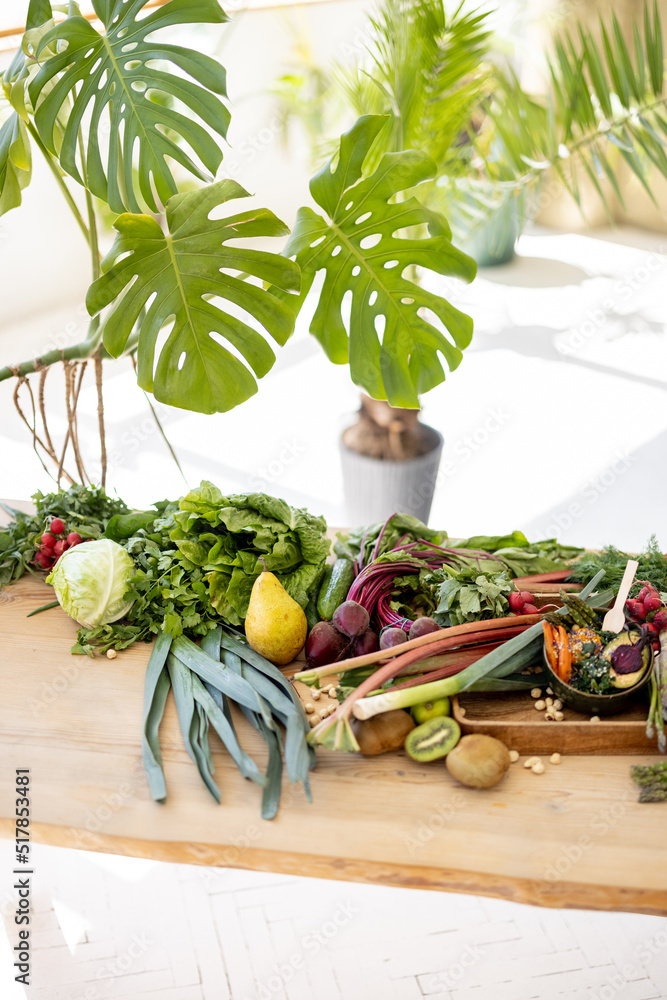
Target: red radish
44 561
643 594
516 600
60 547
636 609
660 619
74 538
57 526
530 609
526 597
46 551
652 602
652 628
47 540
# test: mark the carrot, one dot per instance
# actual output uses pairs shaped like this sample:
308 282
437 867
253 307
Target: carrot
550 648
564 655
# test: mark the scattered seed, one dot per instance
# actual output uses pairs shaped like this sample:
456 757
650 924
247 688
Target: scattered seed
314 719
549 691
111 654
549 702
538 768
514 756
316 694
558 704
540 705
536 693
530 761
333 690
549 716
308 707
595 718
555 758
462 711
559 716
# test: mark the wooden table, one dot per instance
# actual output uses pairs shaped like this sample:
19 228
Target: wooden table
572 837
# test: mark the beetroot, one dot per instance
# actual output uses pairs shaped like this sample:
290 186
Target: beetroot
366 643
660 619
422 626
351 619
390 637
324 645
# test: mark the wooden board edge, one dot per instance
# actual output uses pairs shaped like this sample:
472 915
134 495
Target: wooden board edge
559 894
567 737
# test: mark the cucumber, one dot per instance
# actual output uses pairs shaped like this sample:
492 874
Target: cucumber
312 616
335 585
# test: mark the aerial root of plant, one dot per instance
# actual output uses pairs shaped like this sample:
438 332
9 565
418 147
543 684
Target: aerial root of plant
38 425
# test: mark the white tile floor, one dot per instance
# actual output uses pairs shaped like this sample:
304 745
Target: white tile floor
107 927
570 345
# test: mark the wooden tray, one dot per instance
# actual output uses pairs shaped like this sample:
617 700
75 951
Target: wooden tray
513 719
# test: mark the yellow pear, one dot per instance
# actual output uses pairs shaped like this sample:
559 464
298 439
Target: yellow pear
275 625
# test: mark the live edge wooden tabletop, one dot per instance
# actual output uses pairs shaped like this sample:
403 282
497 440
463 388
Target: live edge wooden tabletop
574 836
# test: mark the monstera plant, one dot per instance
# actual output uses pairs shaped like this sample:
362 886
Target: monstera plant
123 116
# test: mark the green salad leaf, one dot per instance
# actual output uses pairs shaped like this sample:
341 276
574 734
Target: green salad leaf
472 596
233 538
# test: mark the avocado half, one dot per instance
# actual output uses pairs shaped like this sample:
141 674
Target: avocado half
624 681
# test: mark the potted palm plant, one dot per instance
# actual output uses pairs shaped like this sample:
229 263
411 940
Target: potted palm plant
435 76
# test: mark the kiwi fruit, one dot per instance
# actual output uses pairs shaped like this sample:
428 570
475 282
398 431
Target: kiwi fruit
433 739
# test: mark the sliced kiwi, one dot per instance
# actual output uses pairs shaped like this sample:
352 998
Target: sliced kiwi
433 739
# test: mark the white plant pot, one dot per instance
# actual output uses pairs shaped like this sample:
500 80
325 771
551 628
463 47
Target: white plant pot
376 488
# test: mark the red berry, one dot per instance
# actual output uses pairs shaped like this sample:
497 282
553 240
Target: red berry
74 538
636 609
47 540
60 547
653 602
516 600
530 609
57 526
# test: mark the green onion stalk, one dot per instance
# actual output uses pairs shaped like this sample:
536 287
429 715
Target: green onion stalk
335 732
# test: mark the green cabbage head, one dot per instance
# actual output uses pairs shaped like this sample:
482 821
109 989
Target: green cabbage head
90 581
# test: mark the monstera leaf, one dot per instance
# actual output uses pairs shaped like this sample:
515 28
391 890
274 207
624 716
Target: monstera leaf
393 348
122 71
15 162
179 277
